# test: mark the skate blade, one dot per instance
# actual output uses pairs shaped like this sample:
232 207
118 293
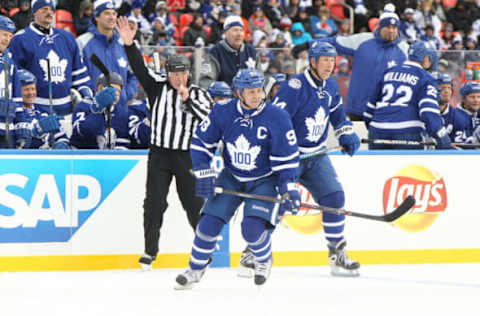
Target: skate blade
146 267
340 272
245 272
180 287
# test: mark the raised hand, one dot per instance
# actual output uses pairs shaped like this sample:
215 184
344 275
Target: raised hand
126 32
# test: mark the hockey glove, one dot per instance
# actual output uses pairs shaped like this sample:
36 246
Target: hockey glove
103 99
7 107
46 124
23 134
347 138
61 145
86 93
290 198
205 183
442 139
476 135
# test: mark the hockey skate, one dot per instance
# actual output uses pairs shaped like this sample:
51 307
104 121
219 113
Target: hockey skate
340 263
186 279
262 271
146 262
246 266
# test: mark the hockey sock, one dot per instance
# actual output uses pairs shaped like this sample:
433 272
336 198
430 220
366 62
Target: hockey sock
333 224
206 235
255 232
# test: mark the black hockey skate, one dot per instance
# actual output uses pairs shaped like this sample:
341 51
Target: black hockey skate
246 266
146 262
340 263
262 271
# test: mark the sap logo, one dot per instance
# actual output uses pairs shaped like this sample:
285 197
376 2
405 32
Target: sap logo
49 200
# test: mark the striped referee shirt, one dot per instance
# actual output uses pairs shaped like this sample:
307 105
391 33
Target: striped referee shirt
172 121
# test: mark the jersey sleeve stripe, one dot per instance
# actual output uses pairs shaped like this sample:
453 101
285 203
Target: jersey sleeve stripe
284 158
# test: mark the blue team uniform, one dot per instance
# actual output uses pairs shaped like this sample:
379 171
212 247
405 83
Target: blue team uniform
312 105
404 105
448 117
464 125
138 124
90 129
260 153
31 48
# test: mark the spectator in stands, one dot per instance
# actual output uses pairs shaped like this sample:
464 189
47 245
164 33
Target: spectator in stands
229 55
343 69
299 35
471 54
274 12
292 8
216 28
103 40
344 27
259 39
142 23
430 37
447 38
195 31
303 18
278 44
82 20
285 27
161 11
23 17
322 24
425 15
409 30
258 21
264 60
463 15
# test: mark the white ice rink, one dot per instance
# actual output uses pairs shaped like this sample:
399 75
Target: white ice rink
452 290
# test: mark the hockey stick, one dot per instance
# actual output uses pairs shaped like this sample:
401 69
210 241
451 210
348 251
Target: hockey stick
320 152
414 143
104 70
403 208
7 96
50 100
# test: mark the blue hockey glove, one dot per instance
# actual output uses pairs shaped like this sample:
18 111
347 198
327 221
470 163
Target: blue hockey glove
442 139
86 93
205 183
46 124
7 107
290 198
347 138
23 134
61 145
103 99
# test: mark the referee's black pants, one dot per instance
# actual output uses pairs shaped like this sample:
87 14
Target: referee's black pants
163 164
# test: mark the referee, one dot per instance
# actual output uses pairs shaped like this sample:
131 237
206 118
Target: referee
176 108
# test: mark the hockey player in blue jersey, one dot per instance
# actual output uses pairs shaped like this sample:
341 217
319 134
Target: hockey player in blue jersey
445 92
313 102
275 81
33 127
139 121
8 105
32 46
90 129
261 154
219 90
466 127
404 105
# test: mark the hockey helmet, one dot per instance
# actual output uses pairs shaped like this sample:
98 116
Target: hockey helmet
419 49
248 79
26 77
319 48
443 78
177 63
220 89
469 87
7 25
114 78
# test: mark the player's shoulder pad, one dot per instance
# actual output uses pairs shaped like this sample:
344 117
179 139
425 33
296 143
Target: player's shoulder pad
277 114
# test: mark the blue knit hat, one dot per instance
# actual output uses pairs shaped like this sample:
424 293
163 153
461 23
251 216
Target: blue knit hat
389 18
37 4
231 21
101 5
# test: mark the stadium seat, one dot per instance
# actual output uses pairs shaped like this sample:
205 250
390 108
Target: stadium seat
185 19
336 8
183 30
208 29
373 23
447 4
174 19
13 11
64 18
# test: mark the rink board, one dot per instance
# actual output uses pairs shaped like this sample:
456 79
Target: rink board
60 211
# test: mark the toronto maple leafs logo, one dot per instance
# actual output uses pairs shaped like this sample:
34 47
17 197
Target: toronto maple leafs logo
242 155
57 67
316 125
250 62
391 63
122 62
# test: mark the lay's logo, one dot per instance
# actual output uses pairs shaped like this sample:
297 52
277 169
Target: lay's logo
426 186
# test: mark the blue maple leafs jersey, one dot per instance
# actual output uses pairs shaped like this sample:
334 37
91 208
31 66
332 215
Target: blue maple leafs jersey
405 100
257 142
14 86
448 117
90 129
25 117
139 124
31 48
312 105
464 125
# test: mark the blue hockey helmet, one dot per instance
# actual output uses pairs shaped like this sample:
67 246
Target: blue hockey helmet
26 77
279 79
419 49
7 25
248 79
469 87
114 78
220 89
319 48
443 78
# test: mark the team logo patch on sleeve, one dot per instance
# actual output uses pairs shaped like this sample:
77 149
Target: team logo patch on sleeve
295 83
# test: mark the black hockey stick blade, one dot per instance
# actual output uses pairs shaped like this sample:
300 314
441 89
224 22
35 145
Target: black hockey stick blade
101 66
403 208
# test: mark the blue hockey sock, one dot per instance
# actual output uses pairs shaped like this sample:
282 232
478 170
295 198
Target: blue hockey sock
255 232
333 224
206 234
